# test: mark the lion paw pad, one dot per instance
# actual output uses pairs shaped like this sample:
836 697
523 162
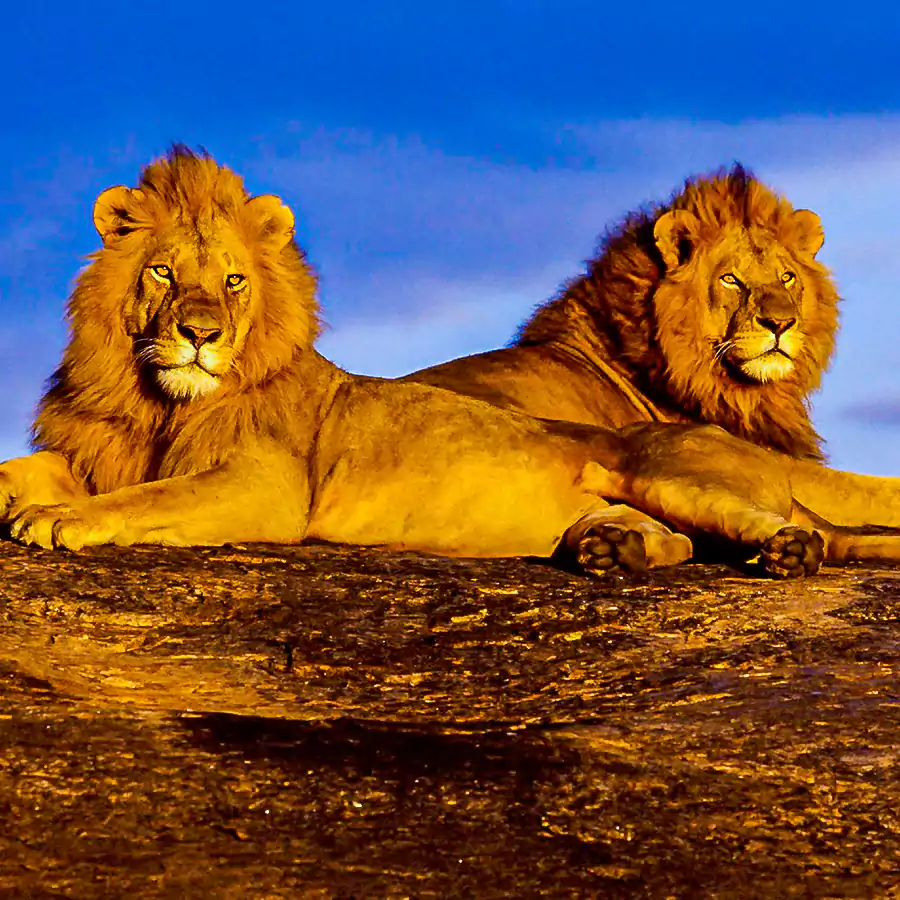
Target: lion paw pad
606 548
793 552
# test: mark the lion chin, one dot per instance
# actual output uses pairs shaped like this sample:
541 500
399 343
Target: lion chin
187 382
763 359
774 365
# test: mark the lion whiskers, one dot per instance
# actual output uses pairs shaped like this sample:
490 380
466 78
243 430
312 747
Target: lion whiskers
148 353
178 371
721 349
753 354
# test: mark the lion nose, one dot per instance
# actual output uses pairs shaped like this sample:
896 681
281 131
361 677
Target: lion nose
776 324
198 335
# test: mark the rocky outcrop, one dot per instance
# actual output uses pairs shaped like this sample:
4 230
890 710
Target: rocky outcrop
338 722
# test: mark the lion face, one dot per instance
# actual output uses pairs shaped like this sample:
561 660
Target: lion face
756 292
198 282
195 302
753 295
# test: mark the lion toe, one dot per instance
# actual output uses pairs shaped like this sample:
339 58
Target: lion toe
34 525
56 527
608 548
793 552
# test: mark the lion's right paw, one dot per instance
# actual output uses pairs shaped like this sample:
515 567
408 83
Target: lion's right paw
605 548
793 552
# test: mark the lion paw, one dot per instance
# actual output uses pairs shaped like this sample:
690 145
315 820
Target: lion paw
793 552
606 548
60 527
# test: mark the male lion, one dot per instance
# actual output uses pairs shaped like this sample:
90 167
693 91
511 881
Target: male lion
191 408
709 308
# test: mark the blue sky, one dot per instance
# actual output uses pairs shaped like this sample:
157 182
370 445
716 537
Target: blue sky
451 164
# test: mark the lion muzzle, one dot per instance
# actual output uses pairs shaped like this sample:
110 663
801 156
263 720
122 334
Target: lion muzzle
199 323
776 312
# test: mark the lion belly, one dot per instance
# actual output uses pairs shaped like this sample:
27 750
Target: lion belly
437 472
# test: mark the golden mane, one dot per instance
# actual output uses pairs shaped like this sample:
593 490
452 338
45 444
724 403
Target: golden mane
629 309
99 384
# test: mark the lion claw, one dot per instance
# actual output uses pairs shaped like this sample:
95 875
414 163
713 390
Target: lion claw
606 548
793 552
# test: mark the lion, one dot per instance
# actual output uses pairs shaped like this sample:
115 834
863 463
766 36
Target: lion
709 308
191 408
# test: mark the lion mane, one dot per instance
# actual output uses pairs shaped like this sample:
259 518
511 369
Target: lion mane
648 331
108 416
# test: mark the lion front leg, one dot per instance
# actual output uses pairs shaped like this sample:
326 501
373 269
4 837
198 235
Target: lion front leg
44 479
244 500
697 504
702 479
786 549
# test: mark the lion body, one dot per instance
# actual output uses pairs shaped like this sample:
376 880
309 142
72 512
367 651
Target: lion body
191 408
711 308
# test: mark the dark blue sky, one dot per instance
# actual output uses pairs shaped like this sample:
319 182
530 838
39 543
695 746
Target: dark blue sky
450 164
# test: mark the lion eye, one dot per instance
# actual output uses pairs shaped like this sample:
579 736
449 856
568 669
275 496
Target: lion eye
729 279
235 281
161 273
788 277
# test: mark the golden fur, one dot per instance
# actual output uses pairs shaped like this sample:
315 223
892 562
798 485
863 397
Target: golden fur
108 408
710 308
191 408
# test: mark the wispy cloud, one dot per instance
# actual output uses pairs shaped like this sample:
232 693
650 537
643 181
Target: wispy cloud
877 413
461 318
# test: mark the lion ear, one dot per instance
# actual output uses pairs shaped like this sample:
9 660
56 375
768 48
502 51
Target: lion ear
804 231
114 212
674 233
274 219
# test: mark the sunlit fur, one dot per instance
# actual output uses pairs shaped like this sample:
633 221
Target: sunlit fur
663 322
285 445
187 382
131 394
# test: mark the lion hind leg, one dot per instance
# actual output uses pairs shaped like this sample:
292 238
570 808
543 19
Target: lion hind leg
619 537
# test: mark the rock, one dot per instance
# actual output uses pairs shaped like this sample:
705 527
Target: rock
267 721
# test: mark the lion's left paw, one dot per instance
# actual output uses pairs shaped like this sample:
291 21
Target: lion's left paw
605 548
58 527
793 552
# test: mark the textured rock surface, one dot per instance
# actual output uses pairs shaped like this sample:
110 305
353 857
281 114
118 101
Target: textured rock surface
335 722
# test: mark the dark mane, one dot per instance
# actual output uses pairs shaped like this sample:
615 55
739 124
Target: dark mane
614 309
